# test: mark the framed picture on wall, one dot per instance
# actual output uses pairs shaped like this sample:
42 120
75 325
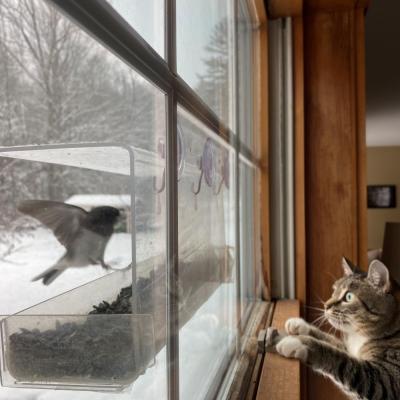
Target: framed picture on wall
381 196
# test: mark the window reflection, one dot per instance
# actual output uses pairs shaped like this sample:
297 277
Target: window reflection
146 17
206 257
205 52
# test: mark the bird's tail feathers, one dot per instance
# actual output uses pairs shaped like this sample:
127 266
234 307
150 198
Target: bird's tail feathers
49 275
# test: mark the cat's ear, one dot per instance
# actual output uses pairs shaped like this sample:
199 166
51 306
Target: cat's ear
378 275
347 269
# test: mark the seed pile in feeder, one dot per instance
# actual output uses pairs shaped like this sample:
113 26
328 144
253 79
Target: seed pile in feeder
73 350
96 349
122 305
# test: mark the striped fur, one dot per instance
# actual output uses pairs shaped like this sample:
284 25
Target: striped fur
365 361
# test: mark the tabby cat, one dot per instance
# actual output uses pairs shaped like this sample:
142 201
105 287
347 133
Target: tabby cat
365 363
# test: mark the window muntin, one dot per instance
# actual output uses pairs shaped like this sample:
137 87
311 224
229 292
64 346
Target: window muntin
205 52
146 17
154 383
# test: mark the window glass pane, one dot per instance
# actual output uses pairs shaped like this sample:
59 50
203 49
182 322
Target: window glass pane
245 78
247 238
206 258
83 131
146 17
205 49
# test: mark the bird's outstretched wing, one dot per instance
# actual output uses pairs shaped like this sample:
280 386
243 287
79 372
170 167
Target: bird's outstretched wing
64 220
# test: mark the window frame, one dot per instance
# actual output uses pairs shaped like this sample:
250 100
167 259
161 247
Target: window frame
103 22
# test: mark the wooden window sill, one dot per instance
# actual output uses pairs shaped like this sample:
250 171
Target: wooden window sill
280 377
267 376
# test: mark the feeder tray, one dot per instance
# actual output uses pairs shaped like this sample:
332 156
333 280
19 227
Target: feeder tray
58 344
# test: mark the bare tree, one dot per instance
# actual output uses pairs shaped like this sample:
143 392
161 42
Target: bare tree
214 83
60 86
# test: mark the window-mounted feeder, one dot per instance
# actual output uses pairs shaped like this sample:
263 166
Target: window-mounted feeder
57 343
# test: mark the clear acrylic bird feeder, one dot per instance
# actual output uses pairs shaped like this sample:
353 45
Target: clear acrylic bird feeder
57 343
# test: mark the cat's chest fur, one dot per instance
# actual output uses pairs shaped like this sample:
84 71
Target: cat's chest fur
354 342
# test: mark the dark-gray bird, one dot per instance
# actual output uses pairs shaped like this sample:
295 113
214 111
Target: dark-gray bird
83 234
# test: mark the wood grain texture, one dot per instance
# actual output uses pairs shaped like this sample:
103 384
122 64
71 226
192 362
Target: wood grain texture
249 360
258 11
361 139
255 378
260 130
312 6
333 124
284 8
299 184
295 8
330 147
260 90
280 377
299 181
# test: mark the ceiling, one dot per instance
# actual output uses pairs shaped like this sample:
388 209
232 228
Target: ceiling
383 73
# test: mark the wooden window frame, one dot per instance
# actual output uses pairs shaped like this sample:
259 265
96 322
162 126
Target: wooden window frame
317 24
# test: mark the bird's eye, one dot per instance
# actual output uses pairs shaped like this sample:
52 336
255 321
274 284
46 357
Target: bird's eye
349 297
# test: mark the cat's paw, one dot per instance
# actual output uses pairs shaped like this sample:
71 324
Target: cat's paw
297 326
292 347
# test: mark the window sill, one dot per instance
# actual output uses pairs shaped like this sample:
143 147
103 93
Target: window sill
280 377
267 376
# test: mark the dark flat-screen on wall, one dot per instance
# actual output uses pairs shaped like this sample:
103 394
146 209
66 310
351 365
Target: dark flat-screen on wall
381 196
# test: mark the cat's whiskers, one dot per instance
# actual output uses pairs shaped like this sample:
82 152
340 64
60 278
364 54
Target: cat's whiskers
315 308
320 300
321 320
318 322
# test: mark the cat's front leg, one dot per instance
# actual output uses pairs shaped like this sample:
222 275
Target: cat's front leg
297 326
359 377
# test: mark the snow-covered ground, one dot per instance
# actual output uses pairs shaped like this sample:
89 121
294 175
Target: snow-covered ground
204 340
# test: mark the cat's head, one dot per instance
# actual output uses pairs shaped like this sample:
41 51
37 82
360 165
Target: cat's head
362 302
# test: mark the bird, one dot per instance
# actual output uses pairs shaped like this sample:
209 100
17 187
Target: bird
84 234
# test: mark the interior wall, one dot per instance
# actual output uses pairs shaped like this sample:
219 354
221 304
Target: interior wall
383 168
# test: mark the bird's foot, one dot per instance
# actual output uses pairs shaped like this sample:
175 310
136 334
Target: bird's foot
104 265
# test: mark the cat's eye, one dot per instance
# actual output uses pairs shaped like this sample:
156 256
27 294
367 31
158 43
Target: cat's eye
349 297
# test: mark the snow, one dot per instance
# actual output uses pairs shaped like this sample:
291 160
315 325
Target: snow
93 200
205 339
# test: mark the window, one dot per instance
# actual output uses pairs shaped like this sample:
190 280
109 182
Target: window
205 52
146 17
128 241
207 262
